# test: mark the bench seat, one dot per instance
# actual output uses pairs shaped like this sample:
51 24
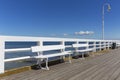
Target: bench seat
53 55
85 50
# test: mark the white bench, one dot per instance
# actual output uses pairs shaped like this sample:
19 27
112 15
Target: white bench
41 49
77 46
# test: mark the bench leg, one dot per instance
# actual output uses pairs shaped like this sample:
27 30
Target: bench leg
39 61
38 64
62 59
69 59
83 56
47 64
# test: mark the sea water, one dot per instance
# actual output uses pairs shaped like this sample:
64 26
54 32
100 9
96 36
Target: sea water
16 64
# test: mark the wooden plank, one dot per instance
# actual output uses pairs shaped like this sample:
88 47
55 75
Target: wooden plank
102 67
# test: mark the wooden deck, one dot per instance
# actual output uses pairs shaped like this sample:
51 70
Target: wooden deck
102 67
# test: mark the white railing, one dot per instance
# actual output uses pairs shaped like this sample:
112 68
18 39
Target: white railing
96 44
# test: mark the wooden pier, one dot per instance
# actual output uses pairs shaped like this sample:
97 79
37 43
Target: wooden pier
100 67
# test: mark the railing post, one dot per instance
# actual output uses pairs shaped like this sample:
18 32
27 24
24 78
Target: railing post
2 56
39 43
76 48
94 44
77 42
100 45
88 44
108 45
62 57
104 45
63 43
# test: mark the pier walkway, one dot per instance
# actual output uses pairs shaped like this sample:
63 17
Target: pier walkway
100 67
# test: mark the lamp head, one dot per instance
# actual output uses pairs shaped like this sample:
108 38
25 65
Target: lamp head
109 7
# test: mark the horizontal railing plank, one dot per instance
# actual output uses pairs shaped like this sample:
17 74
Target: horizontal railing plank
17 49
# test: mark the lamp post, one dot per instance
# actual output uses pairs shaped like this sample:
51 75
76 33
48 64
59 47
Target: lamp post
108 7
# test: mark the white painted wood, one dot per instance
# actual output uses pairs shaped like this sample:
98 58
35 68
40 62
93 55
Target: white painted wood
17 50
94 46
53 55
68 46
39 61
2 56
25 38
46 48
100 47
105 47
19 58
62 50
85 50
108 45
87 47
80 45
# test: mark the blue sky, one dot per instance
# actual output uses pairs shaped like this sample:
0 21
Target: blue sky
47 17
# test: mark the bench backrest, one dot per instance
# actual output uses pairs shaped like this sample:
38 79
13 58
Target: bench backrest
80 45
47 48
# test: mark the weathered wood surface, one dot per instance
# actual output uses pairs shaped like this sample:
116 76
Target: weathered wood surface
102 67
